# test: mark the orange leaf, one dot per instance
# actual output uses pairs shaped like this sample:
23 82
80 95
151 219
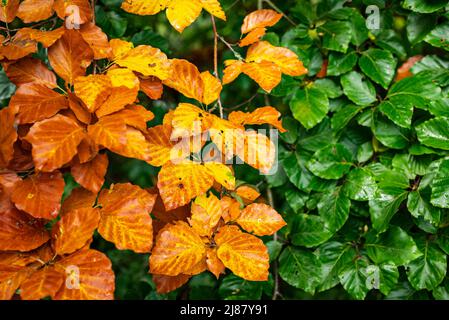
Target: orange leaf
259 151
35 10
206 212
93 90
323 71
17 48
8 136
212 87
36 102
260 19
54 142
232 71
74 230
404 70
66 8
284 58
96 39
41 284
79 198
152 87
214 264
160 145
259 116
260 219
230 208
247 193
79 109
179 183
186 79
136 116
252 37
125 217
190 120
8 10
19 230
244 254
178 250
136 147
70 55
165 284
146 60
109 132
91 174
30 70
47 38
40 194
11 277
8 180
89 273
125 87
267 74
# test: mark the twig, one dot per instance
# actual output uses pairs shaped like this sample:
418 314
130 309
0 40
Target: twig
275 7
220 107
243 103
236 54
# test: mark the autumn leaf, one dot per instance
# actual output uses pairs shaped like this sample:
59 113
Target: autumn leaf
125 217
92 279
136 116
263 115
109 132
165 284
46 38
8 10
8 136
179 183
214 8
79 109
65 8
30 70
255 25
87 149
206 212
190 120
70 55
260 219
185 78
178 249
54 142
252 37
221 173
230 208
214 264
91 174
41 284
35 10
93 90
152 87
136 147
11 277
144 59
17 48
35 102
74 229
8 180
160 145
247 193
404 70
40 194
244 254
267 74
79 198
212 87
19 230
97 40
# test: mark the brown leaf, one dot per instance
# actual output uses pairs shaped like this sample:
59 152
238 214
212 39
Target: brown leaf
8 11
41 284
8 136
91 174
152 87
165 284
30 70
35 10
97 40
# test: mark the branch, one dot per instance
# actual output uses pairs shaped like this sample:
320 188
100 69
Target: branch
220 107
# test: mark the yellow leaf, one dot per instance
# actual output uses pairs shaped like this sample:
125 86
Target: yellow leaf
212 87
267 74
190 120
178 250
182 13
93 90
186 79
244 254
214 8
260 219
222 174
206 212
232 71
144 7
160 145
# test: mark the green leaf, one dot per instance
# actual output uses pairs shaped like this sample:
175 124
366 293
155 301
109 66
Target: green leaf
300 268
274 249
309 230
424 6
388 277
329 87
388 133
343 116
365 152
290 164
337 35
360 185
149 37
384 205
353 278
434 133
6 87
334 256
331 162
427 271
296 199
339 63
418 26
358 28
439 36
357 89
420 207
443 240
334 209
113 24
440 186
309 106
292 127
318 137
442 292
378 65
236 288
394 246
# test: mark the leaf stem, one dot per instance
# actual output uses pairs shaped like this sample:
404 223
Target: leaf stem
220 107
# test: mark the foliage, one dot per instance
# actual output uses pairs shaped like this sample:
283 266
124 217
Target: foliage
107 171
